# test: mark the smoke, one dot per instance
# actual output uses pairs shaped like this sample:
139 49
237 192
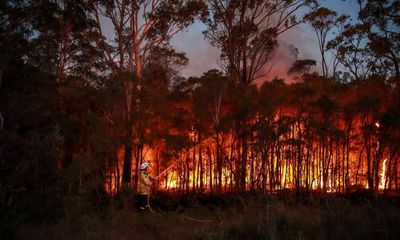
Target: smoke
298 43
285 55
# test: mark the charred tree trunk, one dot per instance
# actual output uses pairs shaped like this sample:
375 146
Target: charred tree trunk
347 146
187 176
201 166
299 159
263 170
126 172
237 164
219 162
243 172
370 179
210 169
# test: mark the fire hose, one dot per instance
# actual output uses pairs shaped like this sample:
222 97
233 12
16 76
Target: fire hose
157 214
148 194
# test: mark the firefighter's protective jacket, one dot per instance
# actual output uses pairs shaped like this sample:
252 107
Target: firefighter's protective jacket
145 182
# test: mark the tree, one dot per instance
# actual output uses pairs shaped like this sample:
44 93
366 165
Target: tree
28 139
349 48
213 93
270 130
370 46
301 66
247 32
13 37
380 23
323 20
139 27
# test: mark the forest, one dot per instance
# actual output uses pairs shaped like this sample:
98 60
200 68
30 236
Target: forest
90 90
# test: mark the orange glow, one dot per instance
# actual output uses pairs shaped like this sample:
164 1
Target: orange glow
329 168
171 184
382 180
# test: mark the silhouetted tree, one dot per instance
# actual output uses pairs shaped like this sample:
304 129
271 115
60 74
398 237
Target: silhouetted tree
323 20
139 26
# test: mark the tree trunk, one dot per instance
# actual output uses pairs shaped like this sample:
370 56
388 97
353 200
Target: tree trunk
243 163
126 172
210 169
201 166
219 162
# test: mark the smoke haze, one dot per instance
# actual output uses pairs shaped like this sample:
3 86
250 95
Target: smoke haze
293 45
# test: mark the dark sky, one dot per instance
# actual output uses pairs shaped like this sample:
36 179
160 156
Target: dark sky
203 56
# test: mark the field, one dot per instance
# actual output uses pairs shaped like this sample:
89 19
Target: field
230 216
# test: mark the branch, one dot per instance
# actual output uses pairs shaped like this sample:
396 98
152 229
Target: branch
110 59
264 74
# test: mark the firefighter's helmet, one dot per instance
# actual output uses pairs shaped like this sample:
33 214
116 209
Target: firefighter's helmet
144 166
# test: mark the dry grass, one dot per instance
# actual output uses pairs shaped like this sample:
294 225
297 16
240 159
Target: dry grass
249 216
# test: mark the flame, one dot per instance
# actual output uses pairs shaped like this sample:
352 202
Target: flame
171 184
283 168
382 182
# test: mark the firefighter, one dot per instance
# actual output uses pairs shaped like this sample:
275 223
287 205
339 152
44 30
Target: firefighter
146 180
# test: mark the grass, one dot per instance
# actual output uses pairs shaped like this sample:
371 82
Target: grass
231 216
